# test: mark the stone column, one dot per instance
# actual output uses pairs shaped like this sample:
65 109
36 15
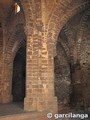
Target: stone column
6 72
30 102
39 67
7 82
1 48
39 76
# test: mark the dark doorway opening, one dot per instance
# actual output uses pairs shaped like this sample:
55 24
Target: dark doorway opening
19 75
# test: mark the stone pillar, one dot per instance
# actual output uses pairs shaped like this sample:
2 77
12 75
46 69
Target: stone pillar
7 82
1 48
6 72
39 76
39 67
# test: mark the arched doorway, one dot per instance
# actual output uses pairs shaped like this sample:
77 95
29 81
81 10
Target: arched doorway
19 75
71 78
62 73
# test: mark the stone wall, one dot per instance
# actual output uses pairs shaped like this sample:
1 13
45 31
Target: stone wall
73 59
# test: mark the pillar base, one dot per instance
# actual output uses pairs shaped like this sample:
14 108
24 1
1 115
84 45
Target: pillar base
30 104
40 104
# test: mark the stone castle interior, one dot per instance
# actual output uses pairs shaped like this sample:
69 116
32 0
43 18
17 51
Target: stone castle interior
44 58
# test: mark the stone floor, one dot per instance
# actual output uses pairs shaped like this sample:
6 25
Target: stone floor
26 116
11 108
14 111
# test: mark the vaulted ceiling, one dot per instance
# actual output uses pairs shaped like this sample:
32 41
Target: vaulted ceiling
5 3
4 7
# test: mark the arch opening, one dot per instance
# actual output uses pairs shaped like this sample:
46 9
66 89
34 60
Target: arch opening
70 81
19 75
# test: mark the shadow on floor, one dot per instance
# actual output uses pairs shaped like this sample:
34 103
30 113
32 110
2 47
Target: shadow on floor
11 108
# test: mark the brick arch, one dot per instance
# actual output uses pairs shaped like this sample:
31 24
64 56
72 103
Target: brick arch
83 57
83 22
62 75
70 38
15 41
66 12
57 25
11 50
81 30
28 12
68 33
65 46
20 44
71 42
26 6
